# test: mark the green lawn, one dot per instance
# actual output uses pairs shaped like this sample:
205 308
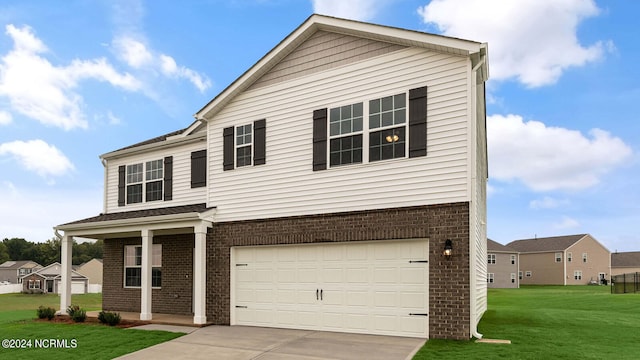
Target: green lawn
92 341
551 322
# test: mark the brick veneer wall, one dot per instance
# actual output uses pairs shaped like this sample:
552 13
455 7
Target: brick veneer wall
449 293
175 296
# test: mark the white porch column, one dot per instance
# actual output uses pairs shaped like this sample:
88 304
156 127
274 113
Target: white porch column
65 273
147 259
200 275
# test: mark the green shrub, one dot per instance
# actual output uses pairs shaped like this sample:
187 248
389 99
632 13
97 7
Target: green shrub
46 312
76 313
109 318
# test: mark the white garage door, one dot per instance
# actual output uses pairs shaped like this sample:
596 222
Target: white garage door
77 287
366 287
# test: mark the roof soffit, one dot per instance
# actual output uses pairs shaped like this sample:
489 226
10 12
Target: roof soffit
316 23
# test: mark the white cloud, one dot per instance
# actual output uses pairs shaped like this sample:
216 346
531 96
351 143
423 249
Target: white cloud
38 156
113 120
5 118
533 41
549 158
45 92
566 223
547 202
362 10
137 55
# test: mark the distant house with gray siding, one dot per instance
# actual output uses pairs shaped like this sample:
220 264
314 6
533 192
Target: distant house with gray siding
12 271
502 266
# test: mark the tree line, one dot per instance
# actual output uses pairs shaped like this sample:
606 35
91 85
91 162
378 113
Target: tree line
48 252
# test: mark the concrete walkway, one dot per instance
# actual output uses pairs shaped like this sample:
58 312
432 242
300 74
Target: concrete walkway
248 342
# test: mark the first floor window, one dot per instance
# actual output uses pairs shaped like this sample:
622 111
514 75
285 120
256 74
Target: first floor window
520 275
34 284
133 266
527 274
577 275
491 258
490 278
513 278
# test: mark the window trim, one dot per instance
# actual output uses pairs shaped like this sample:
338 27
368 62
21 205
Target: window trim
585 257
558 257
569 256
577 275
237 146
34 284
491 259
513 278
520 275
513 259
156 250
491 278
528 273
146 169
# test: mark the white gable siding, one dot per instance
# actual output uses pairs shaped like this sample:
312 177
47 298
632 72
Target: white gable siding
286 184
183 194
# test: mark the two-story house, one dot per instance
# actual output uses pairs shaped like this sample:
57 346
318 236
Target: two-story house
12 271
338 184
563 260
503 265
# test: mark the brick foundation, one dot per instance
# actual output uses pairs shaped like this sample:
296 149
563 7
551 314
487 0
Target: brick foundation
449 293
176 294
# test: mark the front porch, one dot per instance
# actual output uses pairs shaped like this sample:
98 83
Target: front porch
156 318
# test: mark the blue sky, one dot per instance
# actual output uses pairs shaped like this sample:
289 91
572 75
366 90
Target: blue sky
82 78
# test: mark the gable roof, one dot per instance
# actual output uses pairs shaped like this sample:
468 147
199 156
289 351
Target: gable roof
53 271
625 259
10 264
548 244
497 247
317 23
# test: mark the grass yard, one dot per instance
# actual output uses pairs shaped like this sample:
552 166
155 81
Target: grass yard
551 322
93 341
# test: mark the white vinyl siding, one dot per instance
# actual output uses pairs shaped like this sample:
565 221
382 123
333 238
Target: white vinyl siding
183 194
266 192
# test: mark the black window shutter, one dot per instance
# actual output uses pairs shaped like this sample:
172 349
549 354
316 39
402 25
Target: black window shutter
319 139
198 168
228 156
418 122
168 178
122 173
259 142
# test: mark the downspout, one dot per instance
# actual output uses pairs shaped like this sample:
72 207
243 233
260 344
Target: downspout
104 190
472 249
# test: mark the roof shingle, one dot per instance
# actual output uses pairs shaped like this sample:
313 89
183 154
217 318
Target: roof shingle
555 243
625 259
142 213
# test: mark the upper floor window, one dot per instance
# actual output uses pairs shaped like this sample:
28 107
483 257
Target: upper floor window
345 134
491 258
558 257
513 259
154 176
584 257
243 145
388 127
148 181
569 257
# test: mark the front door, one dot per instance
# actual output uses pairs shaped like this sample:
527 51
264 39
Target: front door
49 286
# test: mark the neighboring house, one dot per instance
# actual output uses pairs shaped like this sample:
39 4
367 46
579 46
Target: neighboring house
502 266
12 271
625 262
563 260
318 191
47 280
92 269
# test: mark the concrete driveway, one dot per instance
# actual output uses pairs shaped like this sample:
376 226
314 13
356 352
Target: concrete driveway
248 342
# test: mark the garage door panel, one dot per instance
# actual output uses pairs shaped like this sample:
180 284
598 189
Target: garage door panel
367 287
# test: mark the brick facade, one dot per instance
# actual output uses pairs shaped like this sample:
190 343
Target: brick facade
449 292
176 294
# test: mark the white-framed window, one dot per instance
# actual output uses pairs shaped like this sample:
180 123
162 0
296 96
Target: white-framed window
584 257
513 259
577 275
387 127
527 274
520 275
490 278
133 266
491 258
513 278
22 272
34 284
558 257
144 181
244 144
569 257
346 134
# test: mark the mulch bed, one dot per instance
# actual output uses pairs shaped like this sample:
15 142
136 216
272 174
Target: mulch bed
66 319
